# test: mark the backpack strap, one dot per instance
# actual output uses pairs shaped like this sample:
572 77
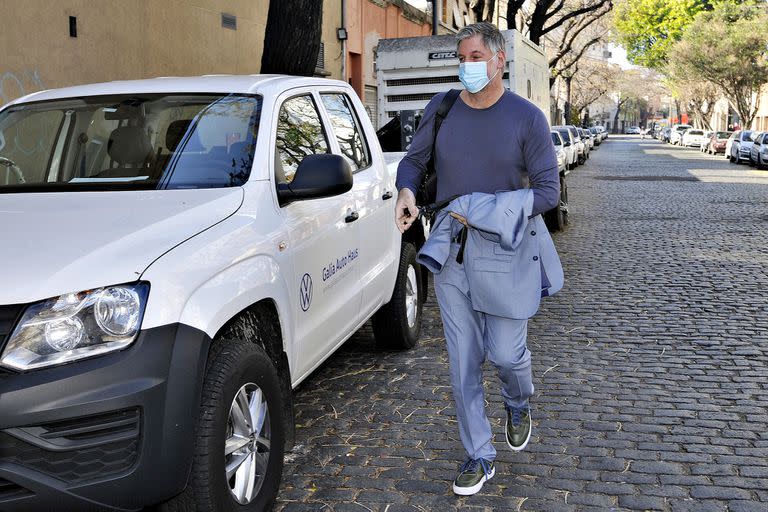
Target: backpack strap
442 111
428 188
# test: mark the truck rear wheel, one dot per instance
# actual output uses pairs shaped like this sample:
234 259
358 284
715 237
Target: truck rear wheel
557 218
397 324
239 443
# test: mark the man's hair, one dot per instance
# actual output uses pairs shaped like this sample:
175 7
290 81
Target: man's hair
491 36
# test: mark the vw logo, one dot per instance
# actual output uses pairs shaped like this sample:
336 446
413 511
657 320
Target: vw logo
305 292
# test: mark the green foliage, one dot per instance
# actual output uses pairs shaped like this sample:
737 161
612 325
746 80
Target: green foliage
648 28
727 47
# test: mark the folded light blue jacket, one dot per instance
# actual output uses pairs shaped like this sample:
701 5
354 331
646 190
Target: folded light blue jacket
510 259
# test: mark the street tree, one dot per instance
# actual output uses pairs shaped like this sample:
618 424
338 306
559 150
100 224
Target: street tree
648 28
292 37
630 92
697 96
727 47
484 10
591 81
537 18
571 42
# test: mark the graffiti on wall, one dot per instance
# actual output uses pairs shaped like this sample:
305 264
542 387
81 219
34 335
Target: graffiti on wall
14 85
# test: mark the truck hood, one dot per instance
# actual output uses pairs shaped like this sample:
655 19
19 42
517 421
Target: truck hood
64 242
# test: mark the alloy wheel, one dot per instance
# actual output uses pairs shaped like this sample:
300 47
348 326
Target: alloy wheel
246 449
411 296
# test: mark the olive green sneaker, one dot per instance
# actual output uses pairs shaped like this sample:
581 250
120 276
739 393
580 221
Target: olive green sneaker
518 427
472 475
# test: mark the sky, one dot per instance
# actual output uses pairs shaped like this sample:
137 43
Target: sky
421 4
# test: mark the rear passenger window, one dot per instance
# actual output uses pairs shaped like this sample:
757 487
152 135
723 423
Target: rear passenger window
299 133
347 130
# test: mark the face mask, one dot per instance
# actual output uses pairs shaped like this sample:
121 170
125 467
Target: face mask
474 75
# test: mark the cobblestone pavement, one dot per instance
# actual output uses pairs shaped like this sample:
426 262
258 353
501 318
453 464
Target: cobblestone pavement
650 365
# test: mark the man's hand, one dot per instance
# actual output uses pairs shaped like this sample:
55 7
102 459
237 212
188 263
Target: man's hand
405 209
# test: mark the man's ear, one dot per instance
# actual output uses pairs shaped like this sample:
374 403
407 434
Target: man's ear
502 59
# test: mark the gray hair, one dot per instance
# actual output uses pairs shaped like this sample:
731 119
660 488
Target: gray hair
491 36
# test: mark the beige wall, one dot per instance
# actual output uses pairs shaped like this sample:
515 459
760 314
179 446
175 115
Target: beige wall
129 39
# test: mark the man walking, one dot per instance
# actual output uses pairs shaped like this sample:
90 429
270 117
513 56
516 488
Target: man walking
491 140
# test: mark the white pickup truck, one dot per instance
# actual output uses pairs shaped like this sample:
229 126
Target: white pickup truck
176 255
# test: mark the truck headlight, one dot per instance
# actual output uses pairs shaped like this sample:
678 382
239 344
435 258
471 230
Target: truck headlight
75 326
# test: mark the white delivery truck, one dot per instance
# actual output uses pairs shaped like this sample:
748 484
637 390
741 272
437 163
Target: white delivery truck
411 70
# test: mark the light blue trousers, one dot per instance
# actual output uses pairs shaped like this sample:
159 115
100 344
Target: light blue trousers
471 336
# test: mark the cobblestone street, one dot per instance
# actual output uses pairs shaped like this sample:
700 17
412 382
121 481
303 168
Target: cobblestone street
650 365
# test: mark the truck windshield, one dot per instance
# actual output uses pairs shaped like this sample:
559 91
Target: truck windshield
146 141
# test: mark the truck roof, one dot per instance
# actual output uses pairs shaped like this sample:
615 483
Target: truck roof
238 84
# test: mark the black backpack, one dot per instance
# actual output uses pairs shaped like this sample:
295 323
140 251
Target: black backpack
427 193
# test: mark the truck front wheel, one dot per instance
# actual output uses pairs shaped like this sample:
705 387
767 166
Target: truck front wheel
397 324
238 458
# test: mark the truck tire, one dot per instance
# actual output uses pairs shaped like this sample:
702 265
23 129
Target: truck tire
557 218
241 389
397 324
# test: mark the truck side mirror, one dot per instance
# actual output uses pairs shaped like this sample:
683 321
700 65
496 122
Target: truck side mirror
321 175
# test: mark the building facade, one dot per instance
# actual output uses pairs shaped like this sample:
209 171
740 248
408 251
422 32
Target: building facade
69 42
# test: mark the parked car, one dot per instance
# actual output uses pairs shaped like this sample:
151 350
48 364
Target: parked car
677 132
588 137
569 145
633 130
741 146
692 138
717 142
586 140
704 146
581 150
595 131
557 140
174 261
759 141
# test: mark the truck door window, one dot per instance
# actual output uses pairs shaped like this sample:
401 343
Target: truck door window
299 133
347 130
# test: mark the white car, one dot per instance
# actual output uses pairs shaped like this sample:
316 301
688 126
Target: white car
693 138
557 140
677 132
177 255
704 147
569 145
633 130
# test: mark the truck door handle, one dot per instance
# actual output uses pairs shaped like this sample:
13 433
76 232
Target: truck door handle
351 217
387 195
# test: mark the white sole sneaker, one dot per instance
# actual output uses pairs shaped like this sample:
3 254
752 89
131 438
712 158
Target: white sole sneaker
469 491
525 443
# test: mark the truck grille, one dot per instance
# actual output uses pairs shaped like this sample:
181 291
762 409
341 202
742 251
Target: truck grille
10 490
76 450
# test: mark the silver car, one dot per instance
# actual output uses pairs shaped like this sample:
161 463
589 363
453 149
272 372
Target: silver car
758 153
741 146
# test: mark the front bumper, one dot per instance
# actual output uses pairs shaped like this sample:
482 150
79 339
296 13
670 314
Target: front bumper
111 432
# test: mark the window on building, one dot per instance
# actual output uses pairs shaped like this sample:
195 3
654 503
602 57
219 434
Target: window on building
347 130
299 133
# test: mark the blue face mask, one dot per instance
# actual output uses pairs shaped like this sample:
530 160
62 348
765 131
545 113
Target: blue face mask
474 75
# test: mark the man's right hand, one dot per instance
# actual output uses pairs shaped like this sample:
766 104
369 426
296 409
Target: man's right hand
406 211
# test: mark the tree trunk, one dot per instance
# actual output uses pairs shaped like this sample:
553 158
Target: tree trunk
677 111
513 7
292 37
567 108
616 117
491 11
